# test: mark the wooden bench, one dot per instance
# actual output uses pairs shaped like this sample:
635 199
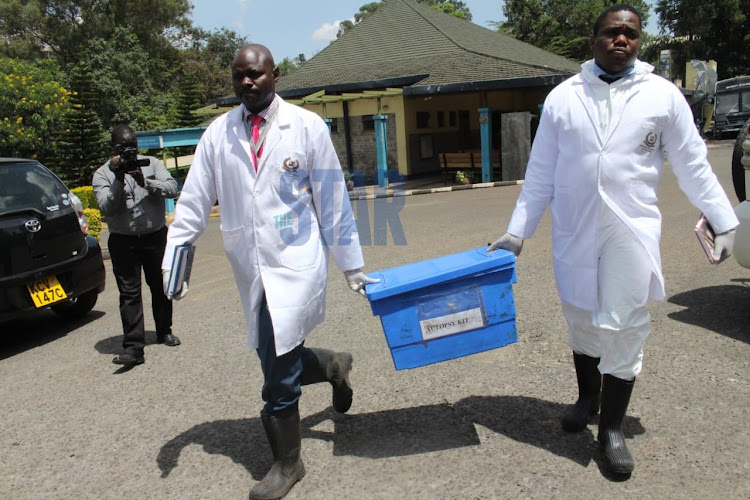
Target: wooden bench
469 162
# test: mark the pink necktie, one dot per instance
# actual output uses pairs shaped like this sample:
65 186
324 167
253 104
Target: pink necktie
255 135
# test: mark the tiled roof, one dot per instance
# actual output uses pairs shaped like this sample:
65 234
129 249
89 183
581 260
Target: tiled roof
403 38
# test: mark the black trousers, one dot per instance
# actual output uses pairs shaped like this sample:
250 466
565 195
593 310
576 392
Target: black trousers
130 254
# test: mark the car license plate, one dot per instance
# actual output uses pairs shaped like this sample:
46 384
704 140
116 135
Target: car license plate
46 291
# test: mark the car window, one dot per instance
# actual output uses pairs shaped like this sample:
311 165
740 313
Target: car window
746 101
28 185
727 103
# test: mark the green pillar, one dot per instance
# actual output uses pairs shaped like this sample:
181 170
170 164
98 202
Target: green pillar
381 147
328 122
485 133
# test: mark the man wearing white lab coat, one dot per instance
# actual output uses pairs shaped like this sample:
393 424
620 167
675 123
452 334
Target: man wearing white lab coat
596 162
284 205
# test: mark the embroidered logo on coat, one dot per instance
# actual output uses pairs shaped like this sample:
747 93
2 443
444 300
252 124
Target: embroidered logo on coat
290 165
649 143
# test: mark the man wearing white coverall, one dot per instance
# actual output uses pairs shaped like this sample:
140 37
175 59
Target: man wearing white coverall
272 167
596 162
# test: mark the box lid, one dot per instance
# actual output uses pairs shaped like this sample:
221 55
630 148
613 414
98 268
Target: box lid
402 279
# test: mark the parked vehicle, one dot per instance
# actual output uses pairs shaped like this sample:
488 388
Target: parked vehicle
732 105
742 238
46 257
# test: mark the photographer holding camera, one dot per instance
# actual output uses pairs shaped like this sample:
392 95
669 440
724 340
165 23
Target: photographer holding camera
130 190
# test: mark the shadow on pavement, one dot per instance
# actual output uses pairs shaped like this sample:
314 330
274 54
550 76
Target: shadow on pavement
722 309
537 422
113 345
394 433
38 328
243 441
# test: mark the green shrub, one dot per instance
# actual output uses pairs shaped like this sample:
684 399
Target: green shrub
94 216
87 196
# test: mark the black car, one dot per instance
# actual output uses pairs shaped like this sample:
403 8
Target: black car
46 257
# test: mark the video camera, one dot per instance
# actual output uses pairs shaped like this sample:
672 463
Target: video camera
129 161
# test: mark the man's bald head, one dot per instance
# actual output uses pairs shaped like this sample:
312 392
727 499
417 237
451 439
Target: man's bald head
259 49
254 77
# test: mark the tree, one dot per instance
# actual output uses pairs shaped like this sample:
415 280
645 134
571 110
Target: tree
288 66
455 8
364 11
718 30
123 83
560 26
63 26
188 101
80 144
32 103
208 57
74 31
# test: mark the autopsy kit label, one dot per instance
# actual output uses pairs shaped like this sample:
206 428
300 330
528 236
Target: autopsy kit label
452 323
455 311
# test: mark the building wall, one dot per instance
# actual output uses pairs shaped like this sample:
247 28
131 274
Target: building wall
364 155
414 148
427 141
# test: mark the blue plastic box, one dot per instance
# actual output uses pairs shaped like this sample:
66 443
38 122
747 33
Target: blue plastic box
447 307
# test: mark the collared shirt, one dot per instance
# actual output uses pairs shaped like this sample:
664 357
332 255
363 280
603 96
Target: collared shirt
268 115
608 96
129 208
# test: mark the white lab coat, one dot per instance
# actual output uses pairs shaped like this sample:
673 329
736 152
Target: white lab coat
277 224
594 146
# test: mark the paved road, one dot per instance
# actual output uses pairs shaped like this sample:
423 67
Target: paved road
185 424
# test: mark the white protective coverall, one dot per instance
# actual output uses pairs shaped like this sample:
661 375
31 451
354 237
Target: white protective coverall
604 144
276 224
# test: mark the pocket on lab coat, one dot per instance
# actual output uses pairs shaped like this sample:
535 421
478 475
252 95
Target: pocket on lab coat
305 248
566 211
236 249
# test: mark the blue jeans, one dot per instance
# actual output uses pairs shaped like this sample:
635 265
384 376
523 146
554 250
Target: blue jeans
282 375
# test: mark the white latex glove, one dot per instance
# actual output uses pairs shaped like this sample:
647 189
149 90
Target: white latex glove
165 280
723 245
357 281
508 242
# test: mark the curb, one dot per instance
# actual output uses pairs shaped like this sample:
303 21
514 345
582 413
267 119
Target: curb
392 191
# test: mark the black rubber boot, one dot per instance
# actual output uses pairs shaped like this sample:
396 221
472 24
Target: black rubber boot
283 432
333 367
615 399
589 389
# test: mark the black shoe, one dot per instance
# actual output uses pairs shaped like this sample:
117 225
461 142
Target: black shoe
129 359
168 339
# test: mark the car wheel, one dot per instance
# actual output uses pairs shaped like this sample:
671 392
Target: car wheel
738 171
77 307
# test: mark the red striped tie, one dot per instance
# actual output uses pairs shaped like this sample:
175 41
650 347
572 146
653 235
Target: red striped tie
255 135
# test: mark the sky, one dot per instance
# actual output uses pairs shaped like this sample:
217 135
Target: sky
292 27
